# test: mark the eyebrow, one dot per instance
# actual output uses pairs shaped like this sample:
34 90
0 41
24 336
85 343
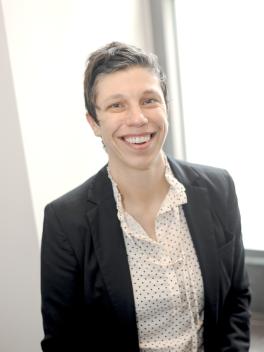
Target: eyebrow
121 96
114 96
151 91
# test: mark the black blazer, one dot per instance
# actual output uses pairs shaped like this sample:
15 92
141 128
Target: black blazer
87 295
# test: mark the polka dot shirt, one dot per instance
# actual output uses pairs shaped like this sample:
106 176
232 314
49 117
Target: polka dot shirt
166 277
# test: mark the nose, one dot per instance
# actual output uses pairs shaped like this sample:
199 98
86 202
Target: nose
135 117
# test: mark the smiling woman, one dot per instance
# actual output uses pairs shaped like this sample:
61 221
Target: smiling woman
146 255
131 119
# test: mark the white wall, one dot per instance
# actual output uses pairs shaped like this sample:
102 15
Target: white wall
49 42
20 322
46 146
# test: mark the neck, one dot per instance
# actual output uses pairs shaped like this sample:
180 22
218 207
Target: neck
141 185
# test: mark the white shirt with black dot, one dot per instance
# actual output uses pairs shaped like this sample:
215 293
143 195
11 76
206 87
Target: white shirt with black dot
166 277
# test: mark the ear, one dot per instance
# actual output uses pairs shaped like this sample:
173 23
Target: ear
94 125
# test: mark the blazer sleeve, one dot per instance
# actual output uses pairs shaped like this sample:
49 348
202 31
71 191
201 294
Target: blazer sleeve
235 316
60 288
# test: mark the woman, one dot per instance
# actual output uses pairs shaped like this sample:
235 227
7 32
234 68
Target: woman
147 254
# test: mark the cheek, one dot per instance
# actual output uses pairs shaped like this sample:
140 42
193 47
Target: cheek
164 122
109 130
165 126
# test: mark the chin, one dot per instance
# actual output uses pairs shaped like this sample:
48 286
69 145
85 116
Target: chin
143 164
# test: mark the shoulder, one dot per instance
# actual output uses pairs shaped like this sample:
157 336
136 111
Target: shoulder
66 218
83 196
216 182
190 173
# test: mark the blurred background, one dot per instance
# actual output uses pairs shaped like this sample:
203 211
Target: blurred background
213 54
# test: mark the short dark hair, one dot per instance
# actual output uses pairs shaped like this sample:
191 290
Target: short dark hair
114 57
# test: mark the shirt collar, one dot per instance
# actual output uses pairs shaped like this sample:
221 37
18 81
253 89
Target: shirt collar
175 197
177 189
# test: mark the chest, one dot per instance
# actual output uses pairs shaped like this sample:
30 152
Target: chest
165 276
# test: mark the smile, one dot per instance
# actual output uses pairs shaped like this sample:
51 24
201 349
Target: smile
138 139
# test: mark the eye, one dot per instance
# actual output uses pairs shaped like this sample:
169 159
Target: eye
116 106
150 101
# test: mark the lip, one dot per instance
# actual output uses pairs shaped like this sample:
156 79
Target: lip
139 146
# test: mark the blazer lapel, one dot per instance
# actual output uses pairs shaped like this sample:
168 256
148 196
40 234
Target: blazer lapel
111 253
199 218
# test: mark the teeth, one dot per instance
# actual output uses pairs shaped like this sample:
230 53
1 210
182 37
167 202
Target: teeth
138 140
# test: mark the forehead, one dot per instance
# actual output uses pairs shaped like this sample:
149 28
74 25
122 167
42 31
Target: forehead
131 80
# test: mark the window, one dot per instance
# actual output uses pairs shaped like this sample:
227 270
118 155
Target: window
221 58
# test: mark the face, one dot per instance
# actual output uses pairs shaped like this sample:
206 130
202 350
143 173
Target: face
132 119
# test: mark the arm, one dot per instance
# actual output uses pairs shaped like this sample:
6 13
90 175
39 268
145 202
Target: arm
60 288
235 317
